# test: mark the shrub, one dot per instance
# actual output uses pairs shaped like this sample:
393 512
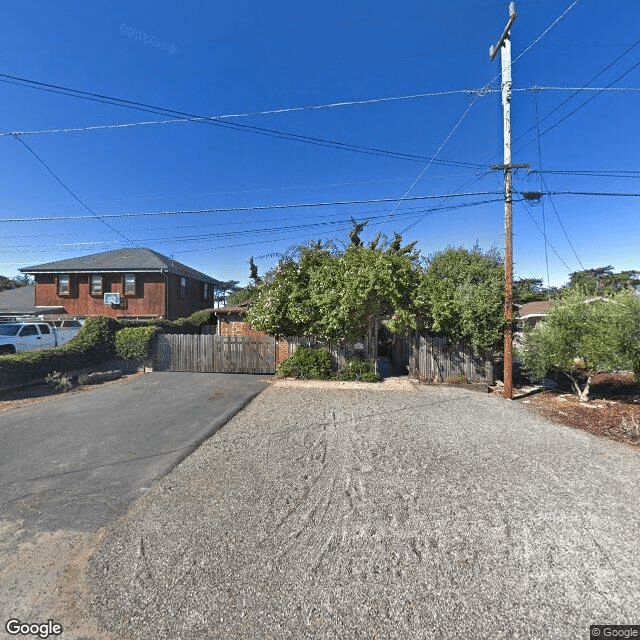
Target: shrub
307 362
134 342
358 369
60 381
461 378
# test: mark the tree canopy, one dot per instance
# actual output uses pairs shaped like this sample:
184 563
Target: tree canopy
603 280
463 292
582 335
337 294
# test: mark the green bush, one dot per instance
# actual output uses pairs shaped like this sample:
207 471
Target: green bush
134 342
358 369
91 346
307 362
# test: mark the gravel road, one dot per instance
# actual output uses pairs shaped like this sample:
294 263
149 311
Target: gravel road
350 513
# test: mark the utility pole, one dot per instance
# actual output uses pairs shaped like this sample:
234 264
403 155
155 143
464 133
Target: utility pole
504 46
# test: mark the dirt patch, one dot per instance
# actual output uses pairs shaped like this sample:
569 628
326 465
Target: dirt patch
43 578
612 412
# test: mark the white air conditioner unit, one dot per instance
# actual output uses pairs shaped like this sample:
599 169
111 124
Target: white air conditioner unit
112 299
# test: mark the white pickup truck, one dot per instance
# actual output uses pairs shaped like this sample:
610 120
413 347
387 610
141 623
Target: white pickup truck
16 337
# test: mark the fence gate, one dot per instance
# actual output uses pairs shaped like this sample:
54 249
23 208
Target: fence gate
215 354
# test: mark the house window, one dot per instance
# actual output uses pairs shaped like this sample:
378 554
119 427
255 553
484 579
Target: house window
129 284
183 287
64 285
96 285
206 291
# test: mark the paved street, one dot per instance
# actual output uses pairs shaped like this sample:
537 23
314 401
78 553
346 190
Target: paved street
72 464
76 461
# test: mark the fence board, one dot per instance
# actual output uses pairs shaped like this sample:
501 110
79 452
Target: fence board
215 354
435 358
339 352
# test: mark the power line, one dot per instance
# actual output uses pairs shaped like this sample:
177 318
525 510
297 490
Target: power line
480 92
230 234
247 114
575 93
238 126
178 212
444 142
544 236
601 173
72 194
544 223
566 235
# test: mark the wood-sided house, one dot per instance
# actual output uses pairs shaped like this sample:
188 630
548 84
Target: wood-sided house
126 283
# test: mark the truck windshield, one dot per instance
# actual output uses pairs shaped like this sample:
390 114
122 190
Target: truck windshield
9 329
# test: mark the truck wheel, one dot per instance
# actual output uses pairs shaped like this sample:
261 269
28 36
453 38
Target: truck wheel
7 349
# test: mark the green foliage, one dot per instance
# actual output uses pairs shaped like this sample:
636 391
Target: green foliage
463 293
337 295
92 345
461 378
582 335
603 280
14 283
134 342
307 362
358 369
529 290
246 294
60 381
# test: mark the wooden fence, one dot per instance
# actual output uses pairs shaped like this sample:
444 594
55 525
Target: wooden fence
215 354
437 359
339 352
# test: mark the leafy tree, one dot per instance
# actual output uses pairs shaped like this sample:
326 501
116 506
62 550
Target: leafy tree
603 280
581 335
224 289
528 290
244 294
14 283
463 293
354 235
336 295
253 271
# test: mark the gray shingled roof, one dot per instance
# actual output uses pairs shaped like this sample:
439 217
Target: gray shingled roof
120 260
21 301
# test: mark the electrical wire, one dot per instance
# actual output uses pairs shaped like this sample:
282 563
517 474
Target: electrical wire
566 235
72 194
178 212
214 236
544 222
543 235
238 126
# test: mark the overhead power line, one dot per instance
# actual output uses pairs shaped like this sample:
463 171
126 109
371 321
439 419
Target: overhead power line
178 212
205 237
218 122
72 194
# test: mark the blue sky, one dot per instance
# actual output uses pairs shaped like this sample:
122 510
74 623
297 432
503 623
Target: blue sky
236 59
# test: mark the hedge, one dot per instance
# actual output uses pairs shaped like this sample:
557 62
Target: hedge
134 342
92 344
96 342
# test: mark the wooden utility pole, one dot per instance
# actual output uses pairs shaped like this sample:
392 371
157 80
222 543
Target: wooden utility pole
504 46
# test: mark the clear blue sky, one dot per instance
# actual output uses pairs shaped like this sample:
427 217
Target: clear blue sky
219 59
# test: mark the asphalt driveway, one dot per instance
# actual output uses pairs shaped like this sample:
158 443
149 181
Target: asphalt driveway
77 461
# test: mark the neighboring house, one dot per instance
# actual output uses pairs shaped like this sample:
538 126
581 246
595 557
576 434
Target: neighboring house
231 321
126 283
530 314
19 303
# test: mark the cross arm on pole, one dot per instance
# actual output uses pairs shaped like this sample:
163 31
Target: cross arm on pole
493 50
